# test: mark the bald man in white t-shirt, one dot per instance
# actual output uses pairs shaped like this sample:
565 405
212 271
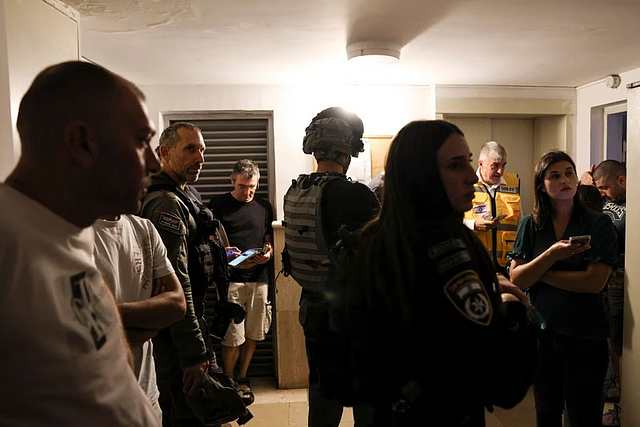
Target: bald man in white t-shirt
85 136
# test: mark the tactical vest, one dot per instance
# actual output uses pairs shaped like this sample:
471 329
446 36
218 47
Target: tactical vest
499 241
304 237
207 260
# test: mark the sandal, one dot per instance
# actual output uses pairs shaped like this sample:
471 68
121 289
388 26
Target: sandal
245 391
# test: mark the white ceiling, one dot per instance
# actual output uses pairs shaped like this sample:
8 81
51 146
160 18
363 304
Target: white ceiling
485 42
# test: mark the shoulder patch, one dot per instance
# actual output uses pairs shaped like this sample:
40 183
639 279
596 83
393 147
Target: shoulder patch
453 260
169 220
469 296
444 247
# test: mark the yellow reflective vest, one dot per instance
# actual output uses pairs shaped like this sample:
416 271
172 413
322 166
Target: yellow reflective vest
499 241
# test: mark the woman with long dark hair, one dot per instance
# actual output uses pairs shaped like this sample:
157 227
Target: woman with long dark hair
424 285
564 280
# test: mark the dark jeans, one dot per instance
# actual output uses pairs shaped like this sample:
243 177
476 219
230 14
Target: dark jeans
323 412
570 370
176 412
614 295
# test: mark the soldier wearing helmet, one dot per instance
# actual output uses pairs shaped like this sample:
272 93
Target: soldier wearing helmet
316 206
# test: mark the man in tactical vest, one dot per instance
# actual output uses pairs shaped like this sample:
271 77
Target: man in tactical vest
315 208
496 207
184 360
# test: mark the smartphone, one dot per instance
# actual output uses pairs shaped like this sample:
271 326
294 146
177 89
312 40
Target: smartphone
498 218
249 253
580 240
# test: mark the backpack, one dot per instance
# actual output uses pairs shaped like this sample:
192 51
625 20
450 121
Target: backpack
344 375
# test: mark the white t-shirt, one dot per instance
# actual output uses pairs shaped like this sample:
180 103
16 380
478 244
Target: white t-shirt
62 355
129 255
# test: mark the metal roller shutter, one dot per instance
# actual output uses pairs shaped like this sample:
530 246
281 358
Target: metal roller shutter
229 137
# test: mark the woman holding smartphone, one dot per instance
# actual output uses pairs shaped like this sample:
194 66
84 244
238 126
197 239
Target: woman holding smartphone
564 280
423 282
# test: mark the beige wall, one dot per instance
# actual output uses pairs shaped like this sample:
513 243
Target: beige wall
550 133
515 135
37 34
383 109
631 337
292 370
591 100
6 135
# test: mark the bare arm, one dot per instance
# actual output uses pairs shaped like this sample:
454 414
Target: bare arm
590 281
125 340
526 274
506 287
587 177
165 307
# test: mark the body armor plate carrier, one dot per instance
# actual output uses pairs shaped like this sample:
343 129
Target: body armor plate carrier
304 237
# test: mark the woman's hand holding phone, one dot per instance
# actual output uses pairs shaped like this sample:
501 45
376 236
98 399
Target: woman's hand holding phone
564 249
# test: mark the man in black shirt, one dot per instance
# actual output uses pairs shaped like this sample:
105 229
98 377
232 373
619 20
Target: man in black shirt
247 222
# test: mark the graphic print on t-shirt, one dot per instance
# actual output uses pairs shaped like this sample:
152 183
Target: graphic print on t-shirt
614 210
85 303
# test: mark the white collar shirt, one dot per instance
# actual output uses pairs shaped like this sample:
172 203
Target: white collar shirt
492 188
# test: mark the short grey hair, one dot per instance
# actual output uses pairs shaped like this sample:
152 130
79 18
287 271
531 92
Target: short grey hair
246 168
169 136
492 151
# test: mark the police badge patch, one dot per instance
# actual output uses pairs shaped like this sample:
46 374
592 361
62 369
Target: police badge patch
469 296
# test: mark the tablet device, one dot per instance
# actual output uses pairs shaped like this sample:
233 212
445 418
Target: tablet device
249 253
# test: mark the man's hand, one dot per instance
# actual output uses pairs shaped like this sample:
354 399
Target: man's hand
587 177
264 257
247 264
158 287
485 223
232 252
192 375
506 287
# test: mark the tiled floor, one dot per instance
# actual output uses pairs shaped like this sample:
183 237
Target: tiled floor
288 408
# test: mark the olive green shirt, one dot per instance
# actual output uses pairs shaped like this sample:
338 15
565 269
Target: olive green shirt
175 224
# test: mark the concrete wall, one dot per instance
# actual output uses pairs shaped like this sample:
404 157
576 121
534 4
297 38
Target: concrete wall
591 100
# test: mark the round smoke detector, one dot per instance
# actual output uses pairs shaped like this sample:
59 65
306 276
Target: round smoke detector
386 52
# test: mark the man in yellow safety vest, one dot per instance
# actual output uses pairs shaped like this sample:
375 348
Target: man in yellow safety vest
496 207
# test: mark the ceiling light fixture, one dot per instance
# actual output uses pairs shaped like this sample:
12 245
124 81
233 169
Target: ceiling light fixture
374 52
